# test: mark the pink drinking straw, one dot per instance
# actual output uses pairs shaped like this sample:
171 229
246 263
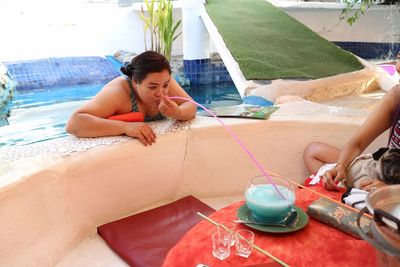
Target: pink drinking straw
234 137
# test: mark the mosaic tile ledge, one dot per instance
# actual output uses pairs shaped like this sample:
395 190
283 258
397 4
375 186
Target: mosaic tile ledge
68 145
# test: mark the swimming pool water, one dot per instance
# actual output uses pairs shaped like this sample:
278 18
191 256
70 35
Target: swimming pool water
39 115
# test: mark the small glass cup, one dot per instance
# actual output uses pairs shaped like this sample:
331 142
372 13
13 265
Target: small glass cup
221 239
228 226
244 242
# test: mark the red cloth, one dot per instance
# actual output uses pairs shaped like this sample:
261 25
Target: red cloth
315 245
129 117
144 239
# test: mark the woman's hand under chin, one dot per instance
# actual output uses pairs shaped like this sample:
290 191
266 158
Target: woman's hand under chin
169 108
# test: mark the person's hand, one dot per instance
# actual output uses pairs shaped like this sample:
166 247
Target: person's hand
169 108
332 177
141 131
371 185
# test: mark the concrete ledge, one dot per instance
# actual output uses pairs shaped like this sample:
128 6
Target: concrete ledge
367 80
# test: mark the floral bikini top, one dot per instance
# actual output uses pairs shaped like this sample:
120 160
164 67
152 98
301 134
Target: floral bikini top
135 107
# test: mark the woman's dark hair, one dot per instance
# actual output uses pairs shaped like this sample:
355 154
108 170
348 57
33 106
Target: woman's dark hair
145 63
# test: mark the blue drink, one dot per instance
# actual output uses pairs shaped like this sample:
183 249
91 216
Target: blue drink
267 204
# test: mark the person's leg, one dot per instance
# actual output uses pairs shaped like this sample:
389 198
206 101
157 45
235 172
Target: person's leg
317 154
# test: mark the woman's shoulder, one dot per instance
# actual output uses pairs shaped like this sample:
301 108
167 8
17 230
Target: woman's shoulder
116 88
396 89
120 80
118 84
395 94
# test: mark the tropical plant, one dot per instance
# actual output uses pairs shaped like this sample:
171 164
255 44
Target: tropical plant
355 8
159 21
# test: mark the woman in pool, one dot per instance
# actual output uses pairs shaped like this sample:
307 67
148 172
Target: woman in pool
145 89
385 115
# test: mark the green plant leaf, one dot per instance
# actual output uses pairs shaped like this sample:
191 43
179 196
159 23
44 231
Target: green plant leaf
160 24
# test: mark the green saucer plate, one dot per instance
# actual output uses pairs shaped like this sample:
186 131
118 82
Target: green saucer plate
243 213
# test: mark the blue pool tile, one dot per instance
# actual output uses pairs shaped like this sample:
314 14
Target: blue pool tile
65 71
369 50
205 71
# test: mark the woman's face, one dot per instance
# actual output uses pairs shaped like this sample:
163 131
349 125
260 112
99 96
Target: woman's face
153 87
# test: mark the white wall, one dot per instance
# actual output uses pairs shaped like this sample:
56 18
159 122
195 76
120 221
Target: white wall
379 24
51 28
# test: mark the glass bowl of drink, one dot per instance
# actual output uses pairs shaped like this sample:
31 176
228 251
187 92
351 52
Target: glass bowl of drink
270 198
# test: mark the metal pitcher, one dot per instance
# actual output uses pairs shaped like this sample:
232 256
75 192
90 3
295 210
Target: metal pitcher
384 205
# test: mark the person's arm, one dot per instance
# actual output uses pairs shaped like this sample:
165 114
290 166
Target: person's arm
371 185
377 122
90 120
177 108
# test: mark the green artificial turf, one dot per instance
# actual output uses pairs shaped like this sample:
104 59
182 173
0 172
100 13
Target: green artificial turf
269 44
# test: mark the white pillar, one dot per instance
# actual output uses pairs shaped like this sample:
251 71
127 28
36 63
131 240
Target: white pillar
194 33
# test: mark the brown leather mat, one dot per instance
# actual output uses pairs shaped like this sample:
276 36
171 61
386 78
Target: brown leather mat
144 239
